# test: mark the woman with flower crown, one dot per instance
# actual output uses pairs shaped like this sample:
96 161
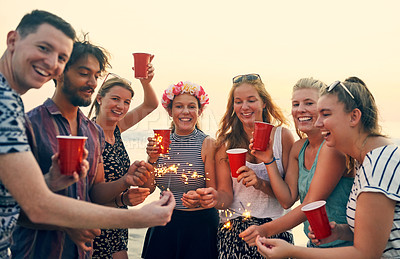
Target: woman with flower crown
248 199
192 231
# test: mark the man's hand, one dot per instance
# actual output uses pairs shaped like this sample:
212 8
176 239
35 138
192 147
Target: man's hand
82 236
57 181
138 174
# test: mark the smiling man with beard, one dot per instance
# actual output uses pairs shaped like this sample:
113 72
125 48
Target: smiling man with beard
61 115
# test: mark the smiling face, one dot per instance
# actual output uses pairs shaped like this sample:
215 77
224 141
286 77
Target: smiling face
185 113
248 105
38 57
115 104
333 122
304 109
80 80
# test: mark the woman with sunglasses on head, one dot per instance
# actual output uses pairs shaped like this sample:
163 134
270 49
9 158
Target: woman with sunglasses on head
111 109
248 199
192 231
348 119
317 171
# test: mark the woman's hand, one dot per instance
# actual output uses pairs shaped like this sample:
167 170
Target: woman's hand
333 237
248 177
152 149
191 199
208 197
265 156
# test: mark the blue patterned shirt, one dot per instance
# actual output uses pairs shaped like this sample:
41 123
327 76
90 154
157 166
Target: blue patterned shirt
12 139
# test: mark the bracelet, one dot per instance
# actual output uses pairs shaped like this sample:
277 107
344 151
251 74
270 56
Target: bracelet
115 201
122 197
273 160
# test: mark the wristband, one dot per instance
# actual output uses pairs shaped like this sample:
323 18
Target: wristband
122 197
273 160
115 201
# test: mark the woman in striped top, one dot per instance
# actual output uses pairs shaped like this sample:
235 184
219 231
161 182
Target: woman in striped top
192 231
348 118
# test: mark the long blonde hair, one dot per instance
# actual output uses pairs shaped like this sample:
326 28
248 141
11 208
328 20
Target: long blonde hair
231 129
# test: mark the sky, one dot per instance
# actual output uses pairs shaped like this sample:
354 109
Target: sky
209 42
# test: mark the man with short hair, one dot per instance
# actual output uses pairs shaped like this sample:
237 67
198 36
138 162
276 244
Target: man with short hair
61 115
38 51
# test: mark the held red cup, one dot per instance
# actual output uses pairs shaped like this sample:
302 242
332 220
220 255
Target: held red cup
237 159
141 60
70 149
318 219
262 131
163 140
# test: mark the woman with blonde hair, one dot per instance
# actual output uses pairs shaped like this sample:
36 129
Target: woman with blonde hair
248 199
111 112
348 120
317 171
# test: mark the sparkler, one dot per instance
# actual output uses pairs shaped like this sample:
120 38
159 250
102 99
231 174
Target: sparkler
229 213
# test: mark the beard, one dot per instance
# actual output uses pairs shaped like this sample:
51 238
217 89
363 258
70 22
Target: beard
72 93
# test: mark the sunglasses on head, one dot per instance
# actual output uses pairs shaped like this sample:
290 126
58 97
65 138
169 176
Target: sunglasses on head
248 77
336 83
111 75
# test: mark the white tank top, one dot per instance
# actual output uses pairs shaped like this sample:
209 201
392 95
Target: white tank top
258 203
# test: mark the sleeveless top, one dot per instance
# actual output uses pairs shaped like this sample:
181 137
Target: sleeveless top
116 159
258 203
182 169
337 200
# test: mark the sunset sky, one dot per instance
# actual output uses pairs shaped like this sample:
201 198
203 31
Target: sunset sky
210 41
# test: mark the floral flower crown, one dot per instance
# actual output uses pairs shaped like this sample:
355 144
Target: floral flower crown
181 88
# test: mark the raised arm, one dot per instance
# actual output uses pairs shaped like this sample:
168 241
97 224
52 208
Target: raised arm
150 103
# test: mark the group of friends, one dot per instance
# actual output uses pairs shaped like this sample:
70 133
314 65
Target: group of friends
203 212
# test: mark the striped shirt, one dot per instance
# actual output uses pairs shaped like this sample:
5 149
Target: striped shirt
187 166
380 173
12 139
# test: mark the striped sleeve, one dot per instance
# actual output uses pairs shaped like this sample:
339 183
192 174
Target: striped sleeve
380 172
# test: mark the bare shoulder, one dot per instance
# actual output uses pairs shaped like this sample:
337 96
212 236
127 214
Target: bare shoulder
330 153
209 145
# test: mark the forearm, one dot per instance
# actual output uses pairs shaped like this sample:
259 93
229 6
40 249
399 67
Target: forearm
224 200
265 187
349 252
150 100
105 192
345 232
288 221
280 188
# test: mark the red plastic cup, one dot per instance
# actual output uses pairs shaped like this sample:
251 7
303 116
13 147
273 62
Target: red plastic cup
262 132
237 159
318 219
163 140
141 60
70 149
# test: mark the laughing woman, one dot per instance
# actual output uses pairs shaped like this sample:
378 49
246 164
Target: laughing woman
348 119
249 193
321 170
